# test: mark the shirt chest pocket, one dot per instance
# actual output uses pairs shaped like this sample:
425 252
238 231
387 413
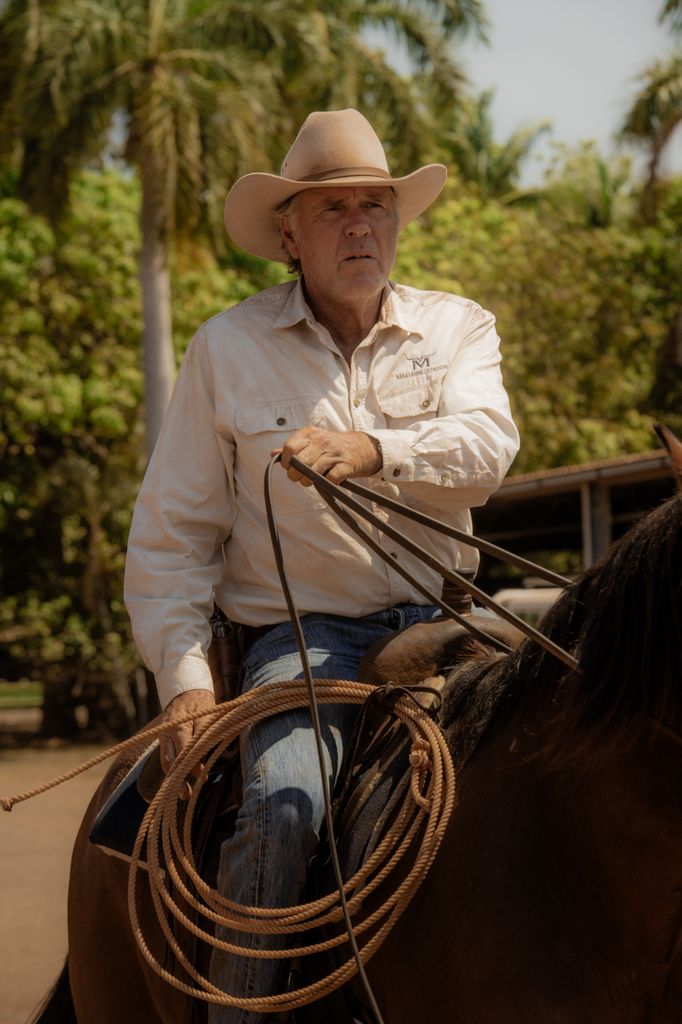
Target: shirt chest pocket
278 417
418 403
263 426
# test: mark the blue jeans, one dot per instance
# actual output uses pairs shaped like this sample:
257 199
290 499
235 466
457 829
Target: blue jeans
265 862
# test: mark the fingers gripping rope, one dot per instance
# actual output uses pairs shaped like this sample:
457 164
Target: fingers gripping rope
172 880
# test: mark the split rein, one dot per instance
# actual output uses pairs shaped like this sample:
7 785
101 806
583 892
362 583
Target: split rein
337 497
163 854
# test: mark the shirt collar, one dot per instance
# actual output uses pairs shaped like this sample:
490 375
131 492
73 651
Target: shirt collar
396 310
295 308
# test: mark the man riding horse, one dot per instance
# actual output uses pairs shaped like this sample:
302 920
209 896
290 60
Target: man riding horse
355 376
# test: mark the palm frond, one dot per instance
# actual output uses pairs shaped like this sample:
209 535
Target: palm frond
671 12
658 102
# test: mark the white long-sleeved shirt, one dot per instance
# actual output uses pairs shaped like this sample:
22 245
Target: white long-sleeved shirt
425 382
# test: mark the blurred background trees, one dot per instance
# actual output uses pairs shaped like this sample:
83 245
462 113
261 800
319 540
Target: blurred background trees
122 123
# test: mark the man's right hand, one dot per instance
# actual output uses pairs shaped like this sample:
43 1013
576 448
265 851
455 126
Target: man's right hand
187 703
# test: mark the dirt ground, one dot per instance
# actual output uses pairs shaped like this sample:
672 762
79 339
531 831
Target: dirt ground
36 839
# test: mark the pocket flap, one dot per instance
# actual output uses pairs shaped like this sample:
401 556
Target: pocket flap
281 415
416 402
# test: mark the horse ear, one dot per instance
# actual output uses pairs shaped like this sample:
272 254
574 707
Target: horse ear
674 449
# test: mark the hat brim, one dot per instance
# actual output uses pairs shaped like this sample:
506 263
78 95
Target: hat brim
252 201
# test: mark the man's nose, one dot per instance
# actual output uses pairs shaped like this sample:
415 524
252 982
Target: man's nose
357 226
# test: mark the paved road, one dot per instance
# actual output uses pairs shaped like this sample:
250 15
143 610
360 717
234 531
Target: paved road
36 839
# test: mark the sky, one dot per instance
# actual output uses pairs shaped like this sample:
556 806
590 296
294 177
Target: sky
572 61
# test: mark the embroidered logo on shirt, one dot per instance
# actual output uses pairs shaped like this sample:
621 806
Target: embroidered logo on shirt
419 362
421 366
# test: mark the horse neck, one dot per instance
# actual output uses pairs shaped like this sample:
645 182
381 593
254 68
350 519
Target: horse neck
579 866
623 811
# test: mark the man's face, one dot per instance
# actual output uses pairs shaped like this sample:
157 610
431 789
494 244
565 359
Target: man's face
345 239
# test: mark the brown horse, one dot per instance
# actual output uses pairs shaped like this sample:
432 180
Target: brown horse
556 896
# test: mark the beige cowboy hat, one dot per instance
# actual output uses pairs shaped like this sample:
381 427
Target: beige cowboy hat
333 147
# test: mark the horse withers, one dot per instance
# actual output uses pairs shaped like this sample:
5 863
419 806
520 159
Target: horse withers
555 898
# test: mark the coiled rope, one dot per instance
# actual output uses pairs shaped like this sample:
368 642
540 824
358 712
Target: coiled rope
163 859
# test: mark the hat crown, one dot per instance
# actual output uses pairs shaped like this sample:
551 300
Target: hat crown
334 140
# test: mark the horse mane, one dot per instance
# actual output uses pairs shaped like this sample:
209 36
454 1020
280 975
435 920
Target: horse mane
622 620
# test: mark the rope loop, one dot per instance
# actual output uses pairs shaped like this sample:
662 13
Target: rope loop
420 755
163 867
167 845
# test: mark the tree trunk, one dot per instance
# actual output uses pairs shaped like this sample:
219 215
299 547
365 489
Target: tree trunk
157 337
649 199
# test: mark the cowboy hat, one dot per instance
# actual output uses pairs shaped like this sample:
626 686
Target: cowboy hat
333 148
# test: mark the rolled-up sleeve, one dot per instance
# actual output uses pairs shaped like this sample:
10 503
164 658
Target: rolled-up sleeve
184 513
459 457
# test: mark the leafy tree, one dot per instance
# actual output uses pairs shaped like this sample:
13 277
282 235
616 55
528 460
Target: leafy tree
194 100
72 440
598 192
652 120
70 390
207 91
359 73
672 13
583 315
656 112
467 139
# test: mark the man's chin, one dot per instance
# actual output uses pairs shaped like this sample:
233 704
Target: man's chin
366 276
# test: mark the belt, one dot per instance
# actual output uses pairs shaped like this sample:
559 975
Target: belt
249 634
455 596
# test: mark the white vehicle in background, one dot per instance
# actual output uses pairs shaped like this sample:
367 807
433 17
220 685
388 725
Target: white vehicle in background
529 602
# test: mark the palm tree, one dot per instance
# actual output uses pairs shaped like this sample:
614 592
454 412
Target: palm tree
653 118
204 90
194 107
362 75
584 185
468 140
672 12
656 111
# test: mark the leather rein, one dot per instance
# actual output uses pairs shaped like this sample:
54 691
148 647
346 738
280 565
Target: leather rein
341 501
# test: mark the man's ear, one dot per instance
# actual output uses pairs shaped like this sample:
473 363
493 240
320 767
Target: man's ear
287 236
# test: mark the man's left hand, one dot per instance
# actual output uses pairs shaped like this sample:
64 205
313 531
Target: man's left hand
335 454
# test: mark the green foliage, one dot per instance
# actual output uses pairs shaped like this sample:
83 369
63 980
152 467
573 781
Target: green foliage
466 138
71 436
70 388
209 90
593 191
672 13
583 314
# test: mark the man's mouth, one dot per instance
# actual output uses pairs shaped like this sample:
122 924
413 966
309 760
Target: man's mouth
360 256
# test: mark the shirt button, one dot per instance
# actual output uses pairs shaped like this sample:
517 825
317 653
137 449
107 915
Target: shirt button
444 478
396 471
356 402
281 420
426 403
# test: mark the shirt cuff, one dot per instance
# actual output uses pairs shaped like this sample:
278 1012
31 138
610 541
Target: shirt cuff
398 457
190 673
